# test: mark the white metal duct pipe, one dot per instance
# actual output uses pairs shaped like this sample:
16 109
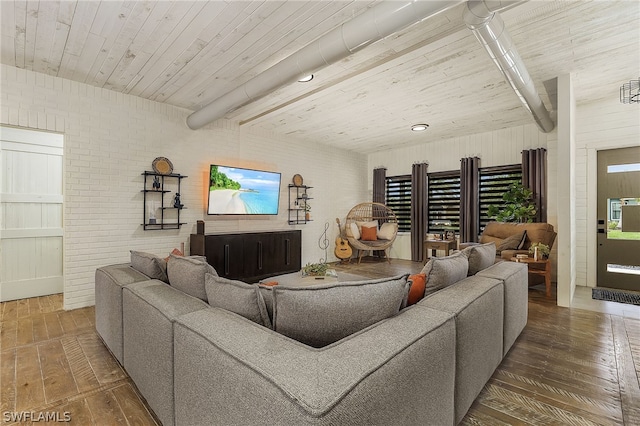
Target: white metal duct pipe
376 23
488 27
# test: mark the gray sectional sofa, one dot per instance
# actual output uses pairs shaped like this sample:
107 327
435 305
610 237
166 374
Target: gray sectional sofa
198 364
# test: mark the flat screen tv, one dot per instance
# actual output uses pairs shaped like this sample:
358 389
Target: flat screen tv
238 191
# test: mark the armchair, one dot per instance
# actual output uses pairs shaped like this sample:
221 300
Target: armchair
514 238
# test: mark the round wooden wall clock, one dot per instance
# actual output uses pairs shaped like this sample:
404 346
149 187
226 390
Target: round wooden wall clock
297 180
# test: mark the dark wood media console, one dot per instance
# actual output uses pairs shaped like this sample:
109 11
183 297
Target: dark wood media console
250 256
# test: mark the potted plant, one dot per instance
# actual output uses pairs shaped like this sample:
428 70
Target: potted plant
518 205
315 269
543 250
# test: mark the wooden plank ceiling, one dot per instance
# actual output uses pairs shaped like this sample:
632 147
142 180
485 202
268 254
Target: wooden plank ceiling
188 53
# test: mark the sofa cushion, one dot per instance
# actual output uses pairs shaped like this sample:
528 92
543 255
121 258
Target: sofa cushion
369 233
320 315
188 275
480 257
512 242
416 292
267 295
238 297
444 271
152 266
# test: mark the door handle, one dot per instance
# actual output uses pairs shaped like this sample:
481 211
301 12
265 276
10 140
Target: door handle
287 251
226 259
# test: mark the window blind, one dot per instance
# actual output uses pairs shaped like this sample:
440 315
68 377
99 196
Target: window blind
494 181
398 199
444 202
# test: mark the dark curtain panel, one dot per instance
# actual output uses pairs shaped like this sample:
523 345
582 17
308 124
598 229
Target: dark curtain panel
419 210
379 196
534 177
469 199
379 185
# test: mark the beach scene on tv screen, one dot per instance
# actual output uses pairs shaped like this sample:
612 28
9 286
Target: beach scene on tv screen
242 191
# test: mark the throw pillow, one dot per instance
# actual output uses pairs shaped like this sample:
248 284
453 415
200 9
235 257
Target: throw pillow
369 224
514 242
238 297
480 257
523 241
369 234
175 252
355 231
269 283
323 314
416 292
387 231
441 272
188 275
150 265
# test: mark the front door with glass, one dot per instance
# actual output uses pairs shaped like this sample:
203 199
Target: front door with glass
619 218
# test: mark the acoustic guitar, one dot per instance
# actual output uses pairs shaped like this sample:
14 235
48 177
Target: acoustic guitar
343 249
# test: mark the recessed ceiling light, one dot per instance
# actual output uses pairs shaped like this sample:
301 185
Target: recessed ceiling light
419 127
306 79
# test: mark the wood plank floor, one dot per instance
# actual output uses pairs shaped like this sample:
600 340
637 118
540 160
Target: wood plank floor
569 366
53 362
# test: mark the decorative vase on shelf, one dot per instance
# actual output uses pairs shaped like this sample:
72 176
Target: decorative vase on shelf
152 215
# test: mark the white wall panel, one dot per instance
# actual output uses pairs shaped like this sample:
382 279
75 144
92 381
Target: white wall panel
31 215
30 258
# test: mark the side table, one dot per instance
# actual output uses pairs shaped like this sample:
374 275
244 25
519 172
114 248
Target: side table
433 245
546 272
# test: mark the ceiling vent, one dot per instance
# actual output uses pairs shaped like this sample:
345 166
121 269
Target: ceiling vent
488 27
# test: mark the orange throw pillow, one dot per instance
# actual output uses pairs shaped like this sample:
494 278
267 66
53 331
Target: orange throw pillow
416 292
270 283
369 234
174 252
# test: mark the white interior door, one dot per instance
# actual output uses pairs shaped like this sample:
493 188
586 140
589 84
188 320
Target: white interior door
31 202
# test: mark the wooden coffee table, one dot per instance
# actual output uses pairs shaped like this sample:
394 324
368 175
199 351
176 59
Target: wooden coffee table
295 279
545 271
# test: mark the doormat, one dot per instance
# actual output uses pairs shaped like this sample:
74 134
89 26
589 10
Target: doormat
619 296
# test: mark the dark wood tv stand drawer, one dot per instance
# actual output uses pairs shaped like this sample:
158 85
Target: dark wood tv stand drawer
250 256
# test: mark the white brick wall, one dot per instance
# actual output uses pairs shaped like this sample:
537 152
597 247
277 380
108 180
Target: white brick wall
110 138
